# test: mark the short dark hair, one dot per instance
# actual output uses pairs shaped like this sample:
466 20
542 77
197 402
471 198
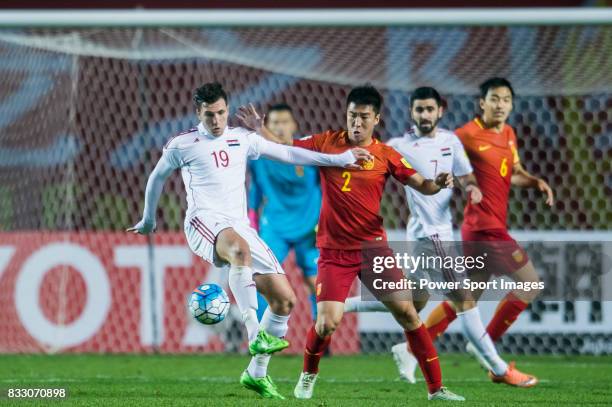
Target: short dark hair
209 93
425 92
495 82
278 107
365 95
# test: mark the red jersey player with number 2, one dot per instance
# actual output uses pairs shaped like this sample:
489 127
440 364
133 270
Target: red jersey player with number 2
349 219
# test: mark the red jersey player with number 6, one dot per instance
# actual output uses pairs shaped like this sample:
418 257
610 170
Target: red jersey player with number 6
491 146
349 220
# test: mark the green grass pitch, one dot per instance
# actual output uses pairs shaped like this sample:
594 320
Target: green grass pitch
365 380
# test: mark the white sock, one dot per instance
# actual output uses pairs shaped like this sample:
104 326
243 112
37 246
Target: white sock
276 325
478 336
243 287
403 346
355 304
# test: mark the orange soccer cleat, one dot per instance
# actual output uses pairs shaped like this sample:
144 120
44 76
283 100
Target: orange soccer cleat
514 377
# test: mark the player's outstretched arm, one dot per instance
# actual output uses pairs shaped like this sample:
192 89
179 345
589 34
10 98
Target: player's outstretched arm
429 186
523 179
470 185
302 156
155 185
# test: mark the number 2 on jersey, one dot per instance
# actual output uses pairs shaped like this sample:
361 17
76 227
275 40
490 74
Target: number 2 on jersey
221 158
347 178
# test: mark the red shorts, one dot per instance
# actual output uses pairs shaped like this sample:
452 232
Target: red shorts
338 268
503 254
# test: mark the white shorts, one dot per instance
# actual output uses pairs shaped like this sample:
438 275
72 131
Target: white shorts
434 247
202 231
443 234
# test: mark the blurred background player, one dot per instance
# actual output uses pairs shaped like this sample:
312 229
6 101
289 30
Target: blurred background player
432 150
284 204
349 219
213 159
491 146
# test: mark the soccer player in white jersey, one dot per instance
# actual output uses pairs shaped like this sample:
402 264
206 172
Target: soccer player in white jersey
212 159
432 150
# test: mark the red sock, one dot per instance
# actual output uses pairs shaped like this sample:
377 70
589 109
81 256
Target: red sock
439 319
315 347
506 313
421 346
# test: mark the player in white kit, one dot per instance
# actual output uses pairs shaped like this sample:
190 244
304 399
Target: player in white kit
212 159
432 150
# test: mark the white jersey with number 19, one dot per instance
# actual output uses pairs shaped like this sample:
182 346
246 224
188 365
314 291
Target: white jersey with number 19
214 172
214 169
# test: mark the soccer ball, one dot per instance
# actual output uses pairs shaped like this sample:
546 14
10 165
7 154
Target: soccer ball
209 304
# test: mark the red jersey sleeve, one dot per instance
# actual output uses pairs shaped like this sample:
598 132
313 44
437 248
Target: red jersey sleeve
398 166
462 134
313 142
514 147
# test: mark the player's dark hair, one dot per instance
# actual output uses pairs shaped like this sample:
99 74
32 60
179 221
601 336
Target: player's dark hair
278 107
365 95
493 83
425 92
209 93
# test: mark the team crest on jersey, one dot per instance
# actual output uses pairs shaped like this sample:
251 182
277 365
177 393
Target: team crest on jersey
517 255
299 170
368 165
233 143
406 163
446 151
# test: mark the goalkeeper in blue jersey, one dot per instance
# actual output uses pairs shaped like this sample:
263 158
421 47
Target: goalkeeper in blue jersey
284 203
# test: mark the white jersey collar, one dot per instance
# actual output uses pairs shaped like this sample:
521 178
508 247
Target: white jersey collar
203 132
411 134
